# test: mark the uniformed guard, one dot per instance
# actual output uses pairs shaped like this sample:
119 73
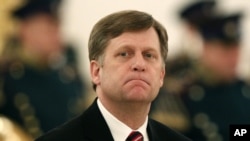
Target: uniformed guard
216 98
206 95
40 83
168 108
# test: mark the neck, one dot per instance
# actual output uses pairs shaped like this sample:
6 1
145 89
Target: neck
214 77
133 114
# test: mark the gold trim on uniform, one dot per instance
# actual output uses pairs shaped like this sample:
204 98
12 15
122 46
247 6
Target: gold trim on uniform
27 113
196 93
209 129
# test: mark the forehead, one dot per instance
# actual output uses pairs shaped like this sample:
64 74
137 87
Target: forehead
144 38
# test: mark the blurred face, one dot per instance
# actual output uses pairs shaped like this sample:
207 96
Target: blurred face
222 59
40 34
132 68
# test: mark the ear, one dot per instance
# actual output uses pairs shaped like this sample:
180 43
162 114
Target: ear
162 76
95 72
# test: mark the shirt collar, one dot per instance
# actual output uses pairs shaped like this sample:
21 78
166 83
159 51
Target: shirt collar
119 130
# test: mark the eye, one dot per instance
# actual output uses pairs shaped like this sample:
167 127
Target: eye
123 54
149 55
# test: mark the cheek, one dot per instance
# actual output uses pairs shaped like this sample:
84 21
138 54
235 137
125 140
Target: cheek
110 75
158 76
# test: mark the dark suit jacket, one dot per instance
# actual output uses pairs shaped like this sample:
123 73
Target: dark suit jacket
91 126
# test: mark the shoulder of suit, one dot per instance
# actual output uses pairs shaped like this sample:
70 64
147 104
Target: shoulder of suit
164 132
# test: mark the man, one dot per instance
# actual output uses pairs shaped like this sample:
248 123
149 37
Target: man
41 83
206 88
167 108
215 89
127 52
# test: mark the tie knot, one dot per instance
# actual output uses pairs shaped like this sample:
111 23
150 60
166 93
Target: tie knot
135 136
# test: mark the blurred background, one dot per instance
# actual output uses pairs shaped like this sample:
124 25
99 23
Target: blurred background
71 22
78 18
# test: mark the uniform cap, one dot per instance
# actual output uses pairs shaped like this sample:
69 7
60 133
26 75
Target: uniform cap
32 7
197 12
222 28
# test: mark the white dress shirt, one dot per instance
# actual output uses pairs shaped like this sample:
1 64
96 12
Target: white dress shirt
119 130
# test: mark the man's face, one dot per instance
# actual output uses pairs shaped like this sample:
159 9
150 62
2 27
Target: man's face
132 68
41 34
223 59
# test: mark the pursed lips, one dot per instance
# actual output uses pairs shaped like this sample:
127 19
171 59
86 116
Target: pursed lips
138 79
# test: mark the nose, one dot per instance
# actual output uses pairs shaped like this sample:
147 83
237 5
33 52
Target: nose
138 63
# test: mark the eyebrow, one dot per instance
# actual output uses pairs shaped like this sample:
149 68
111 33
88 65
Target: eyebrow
128 46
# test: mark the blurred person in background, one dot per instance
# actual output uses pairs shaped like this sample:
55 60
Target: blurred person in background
207 94
214 90
168 108
41 86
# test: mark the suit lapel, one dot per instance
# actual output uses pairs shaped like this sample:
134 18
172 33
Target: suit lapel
95 125
152 135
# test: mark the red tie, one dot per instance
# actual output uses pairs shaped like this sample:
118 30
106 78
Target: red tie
135 136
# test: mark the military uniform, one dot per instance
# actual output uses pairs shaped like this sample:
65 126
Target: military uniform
194 100
39 95
214 104
212 108
40 98
168 107
199 106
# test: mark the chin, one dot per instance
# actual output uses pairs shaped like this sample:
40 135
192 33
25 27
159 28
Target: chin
140 96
